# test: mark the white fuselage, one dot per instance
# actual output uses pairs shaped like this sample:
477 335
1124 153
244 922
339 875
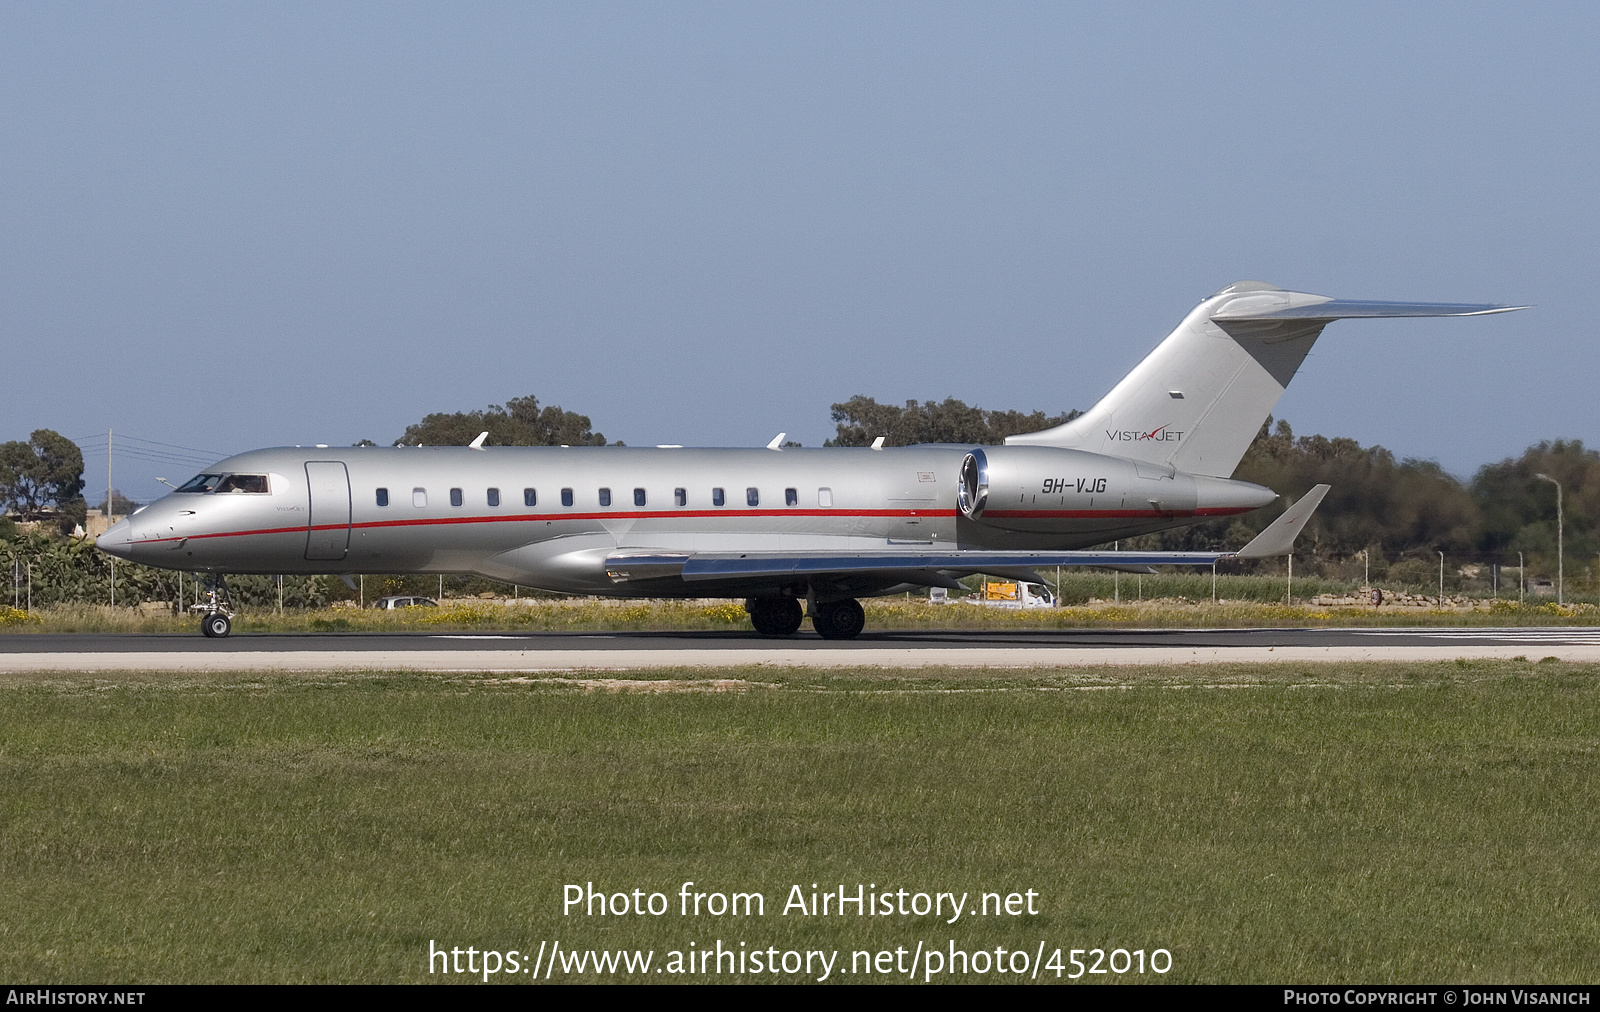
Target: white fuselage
548 517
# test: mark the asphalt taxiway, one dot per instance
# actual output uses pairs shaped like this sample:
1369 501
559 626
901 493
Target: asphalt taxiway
533 652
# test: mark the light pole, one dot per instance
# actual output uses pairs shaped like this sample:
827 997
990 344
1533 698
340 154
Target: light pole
1441 581
1560 559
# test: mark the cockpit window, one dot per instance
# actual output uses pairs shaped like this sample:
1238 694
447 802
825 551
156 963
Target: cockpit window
244 483
256 483
201 483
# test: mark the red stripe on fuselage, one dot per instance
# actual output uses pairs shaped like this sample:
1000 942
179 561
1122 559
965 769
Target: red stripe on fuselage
703 514
552 517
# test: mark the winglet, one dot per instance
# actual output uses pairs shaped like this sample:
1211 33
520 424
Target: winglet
1278 538
777 441
477 444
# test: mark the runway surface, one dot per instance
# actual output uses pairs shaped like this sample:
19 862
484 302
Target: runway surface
531 652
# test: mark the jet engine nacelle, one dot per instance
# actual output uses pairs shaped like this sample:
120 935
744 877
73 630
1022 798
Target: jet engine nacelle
1046 489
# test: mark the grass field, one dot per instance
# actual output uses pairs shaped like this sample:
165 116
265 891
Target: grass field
1262 823
1091 599
894 613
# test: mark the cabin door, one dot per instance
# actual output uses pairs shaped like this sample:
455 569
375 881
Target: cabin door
328 523
917 494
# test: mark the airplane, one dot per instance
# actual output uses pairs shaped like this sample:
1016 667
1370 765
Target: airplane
796 532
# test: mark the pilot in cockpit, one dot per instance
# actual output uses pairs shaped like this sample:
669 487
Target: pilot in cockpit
243 483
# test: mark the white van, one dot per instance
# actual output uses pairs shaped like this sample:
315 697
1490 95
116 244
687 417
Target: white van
1017 595
1002 595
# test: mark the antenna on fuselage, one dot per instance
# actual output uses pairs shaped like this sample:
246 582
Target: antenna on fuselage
477 444
777 441
877 444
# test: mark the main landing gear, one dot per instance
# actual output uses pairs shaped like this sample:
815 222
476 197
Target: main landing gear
839 620
775 616
216 622
781 616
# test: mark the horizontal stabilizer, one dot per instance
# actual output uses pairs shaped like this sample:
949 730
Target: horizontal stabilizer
1350 309
1279 537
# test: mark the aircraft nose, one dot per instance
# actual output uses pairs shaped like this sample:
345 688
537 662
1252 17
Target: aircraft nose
117 540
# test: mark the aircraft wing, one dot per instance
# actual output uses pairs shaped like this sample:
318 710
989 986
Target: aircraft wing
720 566
624 566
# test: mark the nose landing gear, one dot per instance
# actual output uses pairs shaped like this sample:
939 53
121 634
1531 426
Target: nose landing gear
216 625
216 622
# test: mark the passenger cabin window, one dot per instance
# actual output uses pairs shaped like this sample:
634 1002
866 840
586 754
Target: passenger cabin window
752 496
530 497
455 497
419 497
638 497
825 498
383 497
605 497
791 497
494 497
566 497
680 497
717 498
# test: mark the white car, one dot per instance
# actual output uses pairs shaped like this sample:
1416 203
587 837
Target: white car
390 603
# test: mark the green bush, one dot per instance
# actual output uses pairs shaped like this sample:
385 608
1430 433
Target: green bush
71 571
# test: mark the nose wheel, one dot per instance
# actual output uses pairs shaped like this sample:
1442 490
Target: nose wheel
216 625
216 620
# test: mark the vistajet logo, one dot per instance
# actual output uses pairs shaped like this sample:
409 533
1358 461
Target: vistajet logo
1161 435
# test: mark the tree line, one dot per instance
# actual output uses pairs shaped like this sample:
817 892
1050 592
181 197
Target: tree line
1399 508
42 567
42 479
520 421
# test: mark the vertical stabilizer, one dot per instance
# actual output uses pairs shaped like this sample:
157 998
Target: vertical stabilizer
1196 401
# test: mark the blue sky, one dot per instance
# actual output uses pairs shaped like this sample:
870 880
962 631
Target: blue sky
231 226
